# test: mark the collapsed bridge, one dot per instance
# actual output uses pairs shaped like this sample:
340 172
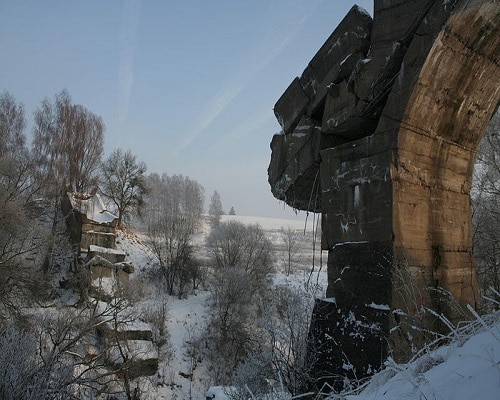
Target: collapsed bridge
379 135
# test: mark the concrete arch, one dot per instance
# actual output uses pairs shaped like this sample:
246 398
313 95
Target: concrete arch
389 114
453 100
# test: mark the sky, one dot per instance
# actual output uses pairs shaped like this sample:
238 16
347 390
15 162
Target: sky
188 86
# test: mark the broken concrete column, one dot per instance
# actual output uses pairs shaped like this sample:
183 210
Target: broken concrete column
301 107
297 165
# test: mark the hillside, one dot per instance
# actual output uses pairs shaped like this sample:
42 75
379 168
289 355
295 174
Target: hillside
183 371
465 368
462 365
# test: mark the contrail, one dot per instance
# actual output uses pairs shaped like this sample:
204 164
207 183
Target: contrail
128 41
271 48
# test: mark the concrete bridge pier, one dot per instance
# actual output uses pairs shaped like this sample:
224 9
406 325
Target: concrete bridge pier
381 139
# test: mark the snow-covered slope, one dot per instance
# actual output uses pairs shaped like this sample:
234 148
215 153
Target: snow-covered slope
466 369
182 374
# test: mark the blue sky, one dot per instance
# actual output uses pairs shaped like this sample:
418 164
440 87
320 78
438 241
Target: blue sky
187 86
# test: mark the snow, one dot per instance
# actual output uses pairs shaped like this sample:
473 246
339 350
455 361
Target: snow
187 317
186 322
91 206
383 307
302 128
106 286
362 10
344 60
220 392
347 243
272 224
468 368
282 185
140 349
135 249
104 250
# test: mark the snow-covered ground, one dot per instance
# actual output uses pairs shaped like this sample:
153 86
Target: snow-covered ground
182 374
467 368
275 224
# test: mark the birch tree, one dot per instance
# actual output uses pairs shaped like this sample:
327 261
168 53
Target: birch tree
17 207
67 147
173 215
68 144
215 210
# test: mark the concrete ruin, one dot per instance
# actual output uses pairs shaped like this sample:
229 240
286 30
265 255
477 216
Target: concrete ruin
379 135
88 220
93 233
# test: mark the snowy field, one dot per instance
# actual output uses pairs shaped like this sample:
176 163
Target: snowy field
274 224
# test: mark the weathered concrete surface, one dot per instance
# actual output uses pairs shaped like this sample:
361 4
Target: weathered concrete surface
452 101
297 164
129 348
354 177
110 254
98 235
294 170
88 221
393 144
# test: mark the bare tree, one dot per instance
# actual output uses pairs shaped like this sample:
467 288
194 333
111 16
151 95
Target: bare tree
486 206
215 210
43 360
17 239
173 216
67 146
291 247
272 344
68 143
286 335
123 183
17 164
234 244
12 125
242 257
17 208
67 354
86 148
229 331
